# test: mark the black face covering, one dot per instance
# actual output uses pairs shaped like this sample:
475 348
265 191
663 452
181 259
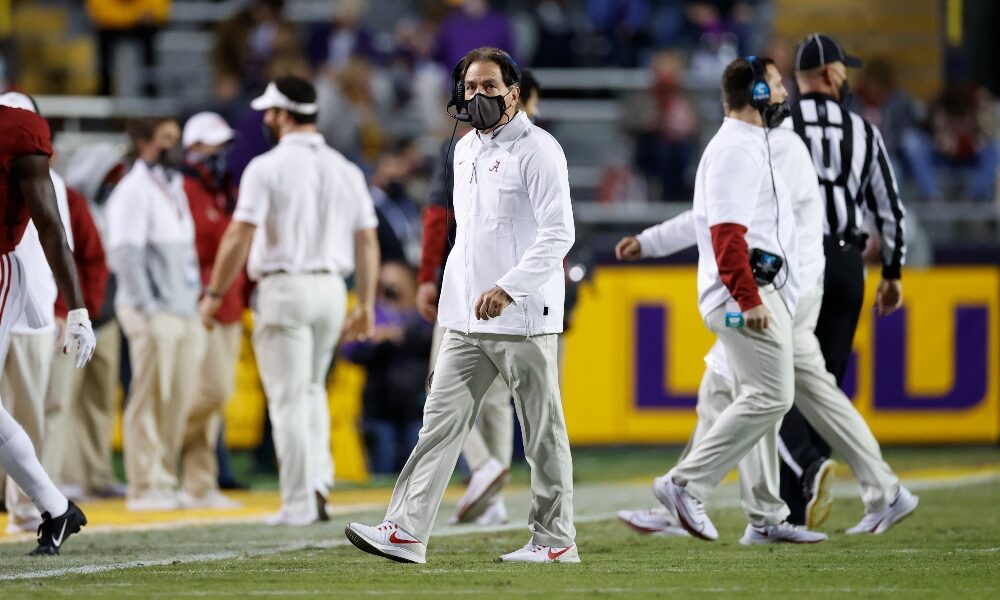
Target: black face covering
170 158
217 164
775 114
269 134
486 111
844 92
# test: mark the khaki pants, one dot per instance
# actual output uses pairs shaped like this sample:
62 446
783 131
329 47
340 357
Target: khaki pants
91 395
297 323
466 367
23 387
832 414
759 475
763 370
199 464
166 352
493 434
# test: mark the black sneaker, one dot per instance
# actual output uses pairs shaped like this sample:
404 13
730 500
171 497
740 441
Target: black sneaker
322 517
54 531
817 490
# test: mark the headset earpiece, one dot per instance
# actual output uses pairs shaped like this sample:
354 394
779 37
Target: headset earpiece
758 90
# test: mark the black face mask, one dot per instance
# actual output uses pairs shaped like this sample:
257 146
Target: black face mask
395 190
217 164
269 134
103 193
170 158
775 114
486 111
844 92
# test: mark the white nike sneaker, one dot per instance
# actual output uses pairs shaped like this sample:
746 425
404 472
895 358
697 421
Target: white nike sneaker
496 514
782 533
690 511
283 518
656 521
213 501
483 487
388 541
881 521
533 553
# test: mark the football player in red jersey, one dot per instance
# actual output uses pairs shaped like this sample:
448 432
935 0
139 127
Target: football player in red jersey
26 192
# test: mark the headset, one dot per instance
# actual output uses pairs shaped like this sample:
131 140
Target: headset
759 93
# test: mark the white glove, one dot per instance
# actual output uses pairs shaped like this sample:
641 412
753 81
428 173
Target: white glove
80 333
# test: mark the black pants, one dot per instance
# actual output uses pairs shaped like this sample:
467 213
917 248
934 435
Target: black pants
107 43
843 294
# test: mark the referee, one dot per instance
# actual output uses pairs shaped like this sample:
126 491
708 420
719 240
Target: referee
857 183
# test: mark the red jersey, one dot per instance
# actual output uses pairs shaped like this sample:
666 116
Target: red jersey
88 254
211 210
22 133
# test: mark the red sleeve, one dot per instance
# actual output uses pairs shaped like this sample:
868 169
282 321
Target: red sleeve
88 254
31 134
733 259
433 245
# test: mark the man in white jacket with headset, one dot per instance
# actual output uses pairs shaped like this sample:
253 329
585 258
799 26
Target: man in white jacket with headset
502 303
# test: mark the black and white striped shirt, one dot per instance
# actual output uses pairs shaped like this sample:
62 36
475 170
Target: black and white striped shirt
854 173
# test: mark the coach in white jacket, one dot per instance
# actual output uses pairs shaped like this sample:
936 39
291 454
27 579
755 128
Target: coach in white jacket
502 305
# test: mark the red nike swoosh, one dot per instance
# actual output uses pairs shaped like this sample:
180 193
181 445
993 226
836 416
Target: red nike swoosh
395 540
555 555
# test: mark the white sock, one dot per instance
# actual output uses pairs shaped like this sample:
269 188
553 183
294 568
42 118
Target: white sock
17 456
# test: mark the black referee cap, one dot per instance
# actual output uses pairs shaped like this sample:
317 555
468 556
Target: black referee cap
819 49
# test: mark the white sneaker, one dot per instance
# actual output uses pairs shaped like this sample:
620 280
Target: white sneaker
496 514
153 501
485 484
783 532
388 541
291 520
533 553
214 500
654 521
690 511
818 491
29 526
880 521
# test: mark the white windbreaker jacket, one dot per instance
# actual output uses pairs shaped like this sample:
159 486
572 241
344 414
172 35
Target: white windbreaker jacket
515 227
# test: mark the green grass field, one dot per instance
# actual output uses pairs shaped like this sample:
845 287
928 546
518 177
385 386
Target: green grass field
949 548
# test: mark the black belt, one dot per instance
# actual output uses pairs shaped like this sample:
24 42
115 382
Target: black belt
850 239
284 272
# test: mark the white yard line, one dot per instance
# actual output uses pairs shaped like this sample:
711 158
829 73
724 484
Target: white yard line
729 501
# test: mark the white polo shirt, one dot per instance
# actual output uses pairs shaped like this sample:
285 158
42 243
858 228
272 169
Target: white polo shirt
734 185
307 202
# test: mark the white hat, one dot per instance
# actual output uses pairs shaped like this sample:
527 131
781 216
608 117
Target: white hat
208 128
273 98
17 100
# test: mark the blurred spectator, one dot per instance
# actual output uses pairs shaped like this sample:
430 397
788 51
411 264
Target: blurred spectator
665 125
350 105
134 21
623 23
95 170
418 80
554 20
212 199
781 51
472 25
879 99
960 137
396 361
246 43
152 254
398 214
330 44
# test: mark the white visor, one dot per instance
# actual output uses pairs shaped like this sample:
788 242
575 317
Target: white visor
273 98
17 100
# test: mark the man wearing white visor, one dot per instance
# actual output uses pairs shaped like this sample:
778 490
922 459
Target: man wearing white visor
212 198
304 217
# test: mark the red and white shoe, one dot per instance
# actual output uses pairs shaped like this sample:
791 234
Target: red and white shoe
533 553
388 541
880 521
655 521
484 485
